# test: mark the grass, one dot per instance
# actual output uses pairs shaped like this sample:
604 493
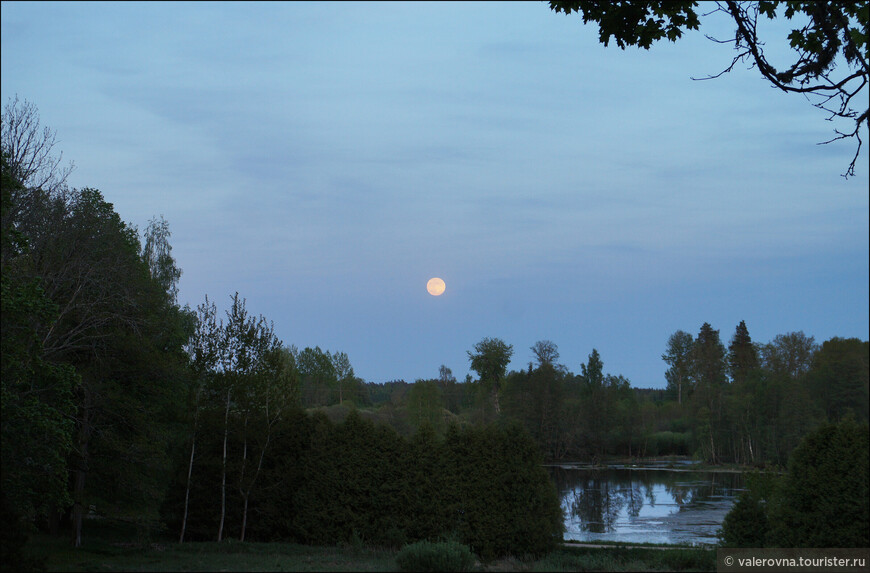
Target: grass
628 559
638 544
227 556
106 549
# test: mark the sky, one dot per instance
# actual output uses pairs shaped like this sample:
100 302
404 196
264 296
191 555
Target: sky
326 160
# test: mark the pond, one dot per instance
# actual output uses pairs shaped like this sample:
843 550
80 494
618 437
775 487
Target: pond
664 502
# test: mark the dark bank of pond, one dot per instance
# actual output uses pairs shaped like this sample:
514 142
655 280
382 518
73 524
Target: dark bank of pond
653 502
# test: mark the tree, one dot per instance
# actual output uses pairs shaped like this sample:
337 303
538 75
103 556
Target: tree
593 371
29 150
789 355
490 359
546 394
830 63
840 376
343 372
546 352
251 367
120 331
270 392
824 500
108 322
447 382
679 356
595 403
317 370
742 355
37 401
708 371
157 254
425 403
205 348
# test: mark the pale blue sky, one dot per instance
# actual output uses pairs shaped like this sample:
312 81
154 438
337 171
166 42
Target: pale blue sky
325 160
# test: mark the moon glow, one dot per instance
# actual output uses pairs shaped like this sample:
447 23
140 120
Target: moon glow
435 286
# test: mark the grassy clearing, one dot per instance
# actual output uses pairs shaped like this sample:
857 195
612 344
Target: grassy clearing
628 559
227 556
236 556
113 549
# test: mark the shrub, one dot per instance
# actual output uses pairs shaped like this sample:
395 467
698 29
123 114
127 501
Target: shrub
670 443
823 501
746 524
441 556
498 495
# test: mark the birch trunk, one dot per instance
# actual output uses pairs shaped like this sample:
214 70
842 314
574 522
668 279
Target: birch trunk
224 471
187 489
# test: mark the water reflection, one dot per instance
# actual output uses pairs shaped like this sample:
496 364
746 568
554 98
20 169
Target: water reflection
644 504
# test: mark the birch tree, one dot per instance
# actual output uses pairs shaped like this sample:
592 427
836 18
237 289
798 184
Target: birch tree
205 350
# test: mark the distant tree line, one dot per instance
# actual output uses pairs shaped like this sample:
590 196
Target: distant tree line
746 403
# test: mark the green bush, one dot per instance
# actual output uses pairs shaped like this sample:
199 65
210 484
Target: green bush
498 496
823 501
360 483
746 524
442 556
670 443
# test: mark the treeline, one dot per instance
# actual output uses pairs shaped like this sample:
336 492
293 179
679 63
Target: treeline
747 403
94 369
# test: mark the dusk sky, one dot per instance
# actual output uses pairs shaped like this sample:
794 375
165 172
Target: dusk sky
326 160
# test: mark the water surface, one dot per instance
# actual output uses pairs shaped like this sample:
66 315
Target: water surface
645 504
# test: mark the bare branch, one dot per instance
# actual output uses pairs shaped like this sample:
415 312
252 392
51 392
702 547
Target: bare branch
810 74
30 148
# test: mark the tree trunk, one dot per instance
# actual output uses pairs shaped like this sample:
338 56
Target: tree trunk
242 480
224 471
244 517
187 489
246 494
81 470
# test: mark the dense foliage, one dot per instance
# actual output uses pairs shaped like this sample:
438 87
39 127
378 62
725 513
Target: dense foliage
333 483
822 501
93 366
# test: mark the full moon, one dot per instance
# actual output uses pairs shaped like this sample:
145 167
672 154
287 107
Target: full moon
435 286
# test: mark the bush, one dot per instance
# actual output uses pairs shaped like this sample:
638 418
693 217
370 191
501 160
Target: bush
823 501
746 524
670 443
498 495
13 539
442 556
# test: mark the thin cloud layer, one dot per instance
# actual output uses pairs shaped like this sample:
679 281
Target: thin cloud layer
326 160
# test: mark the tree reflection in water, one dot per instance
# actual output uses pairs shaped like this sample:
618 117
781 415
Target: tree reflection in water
603 501
599 498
